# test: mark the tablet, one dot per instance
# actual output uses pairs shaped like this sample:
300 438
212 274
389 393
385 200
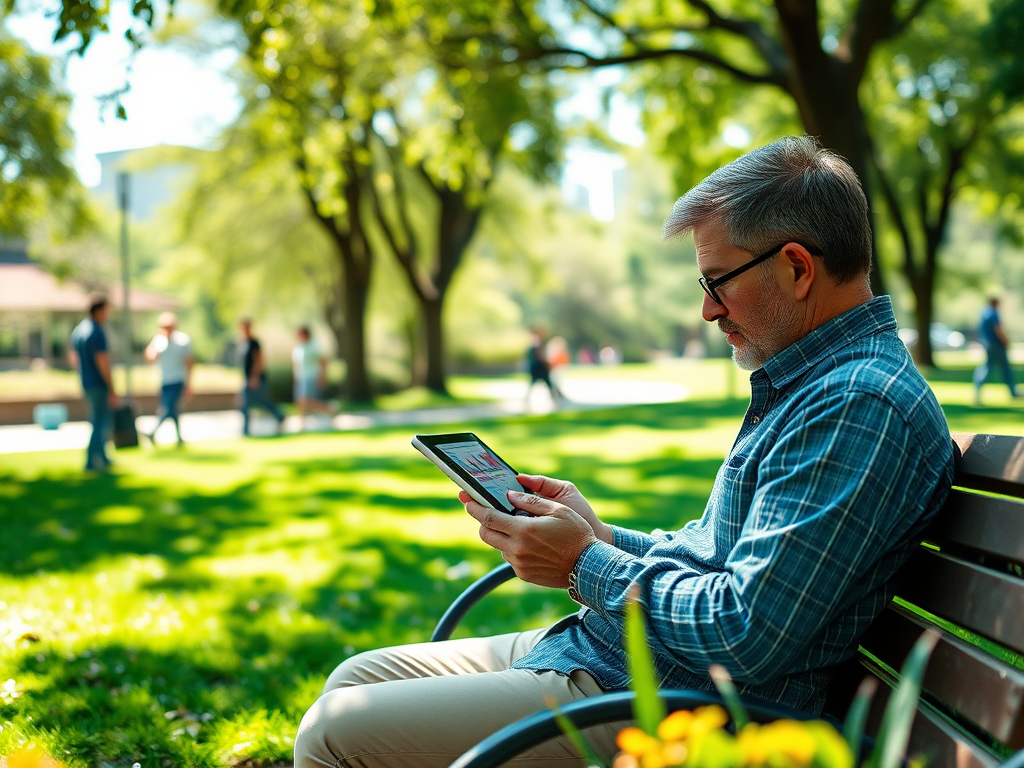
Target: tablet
473 466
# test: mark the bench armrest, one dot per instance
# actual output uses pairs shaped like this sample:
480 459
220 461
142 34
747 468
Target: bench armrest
597 710
473 594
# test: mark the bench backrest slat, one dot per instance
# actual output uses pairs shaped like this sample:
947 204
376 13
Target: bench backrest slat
980 600
991 463
985 690
941 743
992 526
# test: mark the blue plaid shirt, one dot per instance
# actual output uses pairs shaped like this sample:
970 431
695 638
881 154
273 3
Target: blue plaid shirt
842 458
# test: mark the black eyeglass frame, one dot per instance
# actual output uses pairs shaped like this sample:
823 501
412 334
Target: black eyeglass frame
709 286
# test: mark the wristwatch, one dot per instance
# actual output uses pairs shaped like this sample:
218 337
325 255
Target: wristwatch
574 589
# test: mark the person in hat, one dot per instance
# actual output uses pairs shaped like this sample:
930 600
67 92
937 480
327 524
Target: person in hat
171 350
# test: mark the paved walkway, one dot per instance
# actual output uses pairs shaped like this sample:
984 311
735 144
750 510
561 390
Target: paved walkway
226 425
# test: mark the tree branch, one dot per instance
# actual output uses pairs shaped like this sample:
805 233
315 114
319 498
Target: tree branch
768 48
421 283
898 27
868 26
589 61
772 53
896 213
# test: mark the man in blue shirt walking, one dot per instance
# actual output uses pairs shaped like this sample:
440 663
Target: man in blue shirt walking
88 353
841 460
993 339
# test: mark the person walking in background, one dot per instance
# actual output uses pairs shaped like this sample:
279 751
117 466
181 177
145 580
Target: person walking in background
88 352
256 391
993 339
309 369
539 368
171 349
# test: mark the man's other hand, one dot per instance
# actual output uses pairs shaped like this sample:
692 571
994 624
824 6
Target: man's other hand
566 493
112 399
542 548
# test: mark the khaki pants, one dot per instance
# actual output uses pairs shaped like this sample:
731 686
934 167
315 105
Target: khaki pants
421 706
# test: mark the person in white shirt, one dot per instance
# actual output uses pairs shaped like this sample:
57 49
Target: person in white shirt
309 370
171 350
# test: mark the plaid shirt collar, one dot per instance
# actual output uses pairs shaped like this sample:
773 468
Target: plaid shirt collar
871 317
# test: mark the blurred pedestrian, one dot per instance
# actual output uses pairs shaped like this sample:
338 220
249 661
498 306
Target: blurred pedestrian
309 369
171 350
993 339
539 367
256 391
558 352
608 356
88 352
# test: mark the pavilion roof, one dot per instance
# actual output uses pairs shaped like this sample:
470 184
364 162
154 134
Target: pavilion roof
27 287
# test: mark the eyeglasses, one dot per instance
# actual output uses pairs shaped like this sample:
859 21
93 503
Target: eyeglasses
710 286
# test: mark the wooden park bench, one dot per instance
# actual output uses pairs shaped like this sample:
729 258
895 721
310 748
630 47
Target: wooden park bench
965 581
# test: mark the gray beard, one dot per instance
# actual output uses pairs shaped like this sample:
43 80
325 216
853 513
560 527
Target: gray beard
774 331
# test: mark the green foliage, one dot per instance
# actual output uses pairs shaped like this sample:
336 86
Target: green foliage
894 734
35 140
648 709
1001 38
853 728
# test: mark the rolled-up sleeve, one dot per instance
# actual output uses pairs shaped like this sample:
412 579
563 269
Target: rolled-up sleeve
840 487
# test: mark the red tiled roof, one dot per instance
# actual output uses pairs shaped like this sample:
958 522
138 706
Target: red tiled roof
28 288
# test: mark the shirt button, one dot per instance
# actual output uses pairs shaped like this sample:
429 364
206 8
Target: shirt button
755 420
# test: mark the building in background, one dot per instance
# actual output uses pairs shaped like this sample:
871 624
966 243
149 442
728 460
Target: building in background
38 311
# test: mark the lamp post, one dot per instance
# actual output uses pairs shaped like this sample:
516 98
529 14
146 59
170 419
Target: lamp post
126 312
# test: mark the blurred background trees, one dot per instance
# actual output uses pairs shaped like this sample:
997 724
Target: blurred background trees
394 171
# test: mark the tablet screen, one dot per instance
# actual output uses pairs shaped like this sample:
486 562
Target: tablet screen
474 461
483 466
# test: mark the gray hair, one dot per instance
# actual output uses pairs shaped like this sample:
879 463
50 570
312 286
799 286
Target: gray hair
789 190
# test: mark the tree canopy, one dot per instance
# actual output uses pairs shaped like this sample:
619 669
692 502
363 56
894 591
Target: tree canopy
35 140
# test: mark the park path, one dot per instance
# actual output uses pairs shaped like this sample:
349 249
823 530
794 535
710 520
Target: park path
582 393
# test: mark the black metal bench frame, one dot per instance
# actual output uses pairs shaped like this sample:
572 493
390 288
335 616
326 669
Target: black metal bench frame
969 574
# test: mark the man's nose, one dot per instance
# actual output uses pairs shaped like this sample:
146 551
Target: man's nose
711 310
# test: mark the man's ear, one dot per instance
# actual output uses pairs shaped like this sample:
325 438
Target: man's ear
802 268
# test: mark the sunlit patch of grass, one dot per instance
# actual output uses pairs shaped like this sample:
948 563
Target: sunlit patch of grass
186 608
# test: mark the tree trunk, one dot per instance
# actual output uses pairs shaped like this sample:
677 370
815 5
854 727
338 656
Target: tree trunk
924 311
431 310
357 378
830 110
355 267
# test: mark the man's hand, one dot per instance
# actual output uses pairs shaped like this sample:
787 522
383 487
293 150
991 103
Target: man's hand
566 493
112 399
542 548
254 382
187 391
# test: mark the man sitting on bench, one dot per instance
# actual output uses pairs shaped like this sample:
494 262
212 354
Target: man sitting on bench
842 459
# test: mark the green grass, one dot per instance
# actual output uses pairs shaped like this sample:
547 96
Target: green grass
186 608
213 589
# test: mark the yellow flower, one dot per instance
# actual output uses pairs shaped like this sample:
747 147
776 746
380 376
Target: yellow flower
707 719
676 726
675 753
751 744
635 742
31 757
